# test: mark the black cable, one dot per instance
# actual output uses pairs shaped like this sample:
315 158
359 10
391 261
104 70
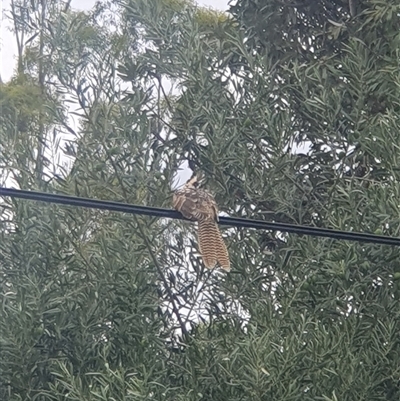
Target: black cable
173 214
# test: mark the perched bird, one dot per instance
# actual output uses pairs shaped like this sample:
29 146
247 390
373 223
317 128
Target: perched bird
199 205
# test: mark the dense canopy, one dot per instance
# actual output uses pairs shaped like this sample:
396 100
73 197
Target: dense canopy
291 110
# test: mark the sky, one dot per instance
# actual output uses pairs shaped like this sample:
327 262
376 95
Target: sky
8 45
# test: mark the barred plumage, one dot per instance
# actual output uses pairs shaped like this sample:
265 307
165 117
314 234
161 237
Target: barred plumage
199 205
212 246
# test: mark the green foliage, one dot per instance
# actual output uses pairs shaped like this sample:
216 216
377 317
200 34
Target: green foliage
291 111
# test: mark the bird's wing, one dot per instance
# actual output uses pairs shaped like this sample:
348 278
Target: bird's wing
195 204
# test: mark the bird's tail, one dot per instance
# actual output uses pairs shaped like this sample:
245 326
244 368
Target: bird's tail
212 245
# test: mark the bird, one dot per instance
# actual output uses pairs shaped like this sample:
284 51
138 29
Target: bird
197 204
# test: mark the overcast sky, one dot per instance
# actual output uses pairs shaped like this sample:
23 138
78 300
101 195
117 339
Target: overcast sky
8 45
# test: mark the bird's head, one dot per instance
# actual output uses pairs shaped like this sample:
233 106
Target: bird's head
195 181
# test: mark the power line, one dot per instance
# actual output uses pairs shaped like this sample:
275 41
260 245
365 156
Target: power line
173 214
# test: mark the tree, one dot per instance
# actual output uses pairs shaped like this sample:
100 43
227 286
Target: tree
291 112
